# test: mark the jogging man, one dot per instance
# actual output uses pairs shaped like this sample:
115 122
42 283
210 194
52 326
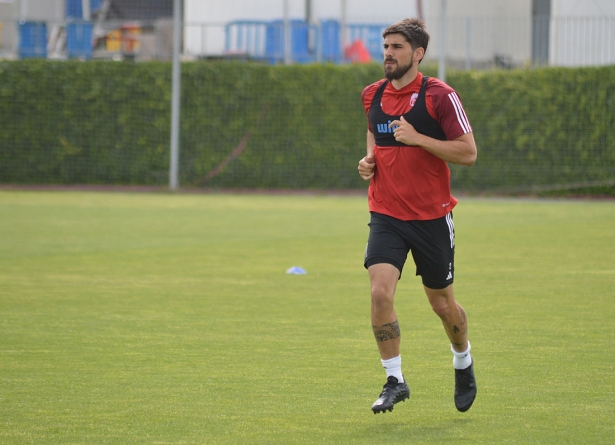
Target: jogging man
415 126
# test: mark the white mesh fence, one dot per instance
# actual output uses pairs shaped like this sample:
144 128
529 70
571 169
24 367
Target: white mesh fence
478 34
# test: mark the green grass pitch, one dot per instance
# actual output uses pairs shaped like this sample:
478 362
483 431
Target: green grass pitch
130 318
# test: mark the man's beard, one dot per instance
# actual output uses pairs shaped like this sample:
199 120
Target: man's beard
398 72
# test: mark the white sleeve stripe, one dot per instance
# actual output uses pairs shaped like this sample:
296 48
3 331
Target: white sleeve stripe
461 114
451 228
463 119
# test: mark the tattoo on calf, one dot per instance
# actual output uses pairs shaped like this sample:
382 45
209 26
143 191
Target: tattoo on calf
386 332
464 321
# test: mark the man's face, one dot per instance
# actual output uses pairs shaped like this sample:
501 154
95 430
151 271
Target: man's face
398 56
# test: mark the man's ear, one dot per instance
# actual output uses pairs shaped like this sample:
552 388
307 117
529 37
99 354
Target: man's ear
419 54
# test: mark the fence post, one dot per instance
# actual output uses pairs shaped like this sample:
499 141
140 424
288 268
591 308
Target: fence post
175 98
286 34
468 43
343 30
441 58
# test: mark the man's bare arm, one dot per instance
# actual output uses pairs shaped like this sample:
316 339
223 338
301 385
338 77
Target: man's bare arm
367 164
461 150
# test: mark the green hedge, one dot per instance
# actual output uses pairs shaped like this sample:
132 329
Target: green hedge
71 122
247 125
547 128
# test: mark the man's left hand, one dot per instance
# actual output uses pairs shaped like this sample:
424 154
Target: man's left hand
405 132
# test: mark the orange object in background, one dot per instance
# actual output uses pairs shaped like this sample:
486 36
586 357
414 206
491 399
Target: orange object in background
357 53
113 41
126 39
131 37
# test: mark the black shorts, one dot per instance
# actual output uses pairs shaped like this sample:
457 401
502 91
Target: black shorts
431 242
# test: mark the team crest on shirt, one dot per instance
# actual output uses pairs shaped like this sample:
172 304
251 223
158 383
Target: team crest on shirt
413 99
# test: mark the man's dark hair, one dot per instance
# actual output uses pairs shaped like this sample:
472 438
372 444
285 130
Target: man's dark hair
414 30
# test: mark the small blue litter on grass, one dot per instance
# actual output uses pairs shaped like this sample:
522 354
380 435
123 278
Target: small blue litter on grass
295 270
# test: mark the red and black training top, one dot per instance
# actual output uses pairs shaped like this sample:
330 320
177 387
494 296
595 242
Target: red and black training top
409 182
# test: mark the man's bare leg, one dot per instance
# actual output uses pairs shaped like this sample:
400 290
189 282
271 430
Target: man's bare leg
452 315
456 326
384 278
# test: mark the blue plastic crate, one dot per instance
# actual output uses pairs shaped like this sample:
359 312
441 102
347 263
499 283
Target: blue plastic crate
32 40
330 41
74 8
79 40
299 41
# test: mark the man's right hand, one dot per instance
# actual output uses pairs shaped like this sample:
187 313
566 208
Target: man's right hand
366 168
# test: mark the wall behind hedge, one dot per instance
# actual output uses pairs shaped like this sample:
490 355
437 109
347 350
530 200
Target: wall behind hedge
248 125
